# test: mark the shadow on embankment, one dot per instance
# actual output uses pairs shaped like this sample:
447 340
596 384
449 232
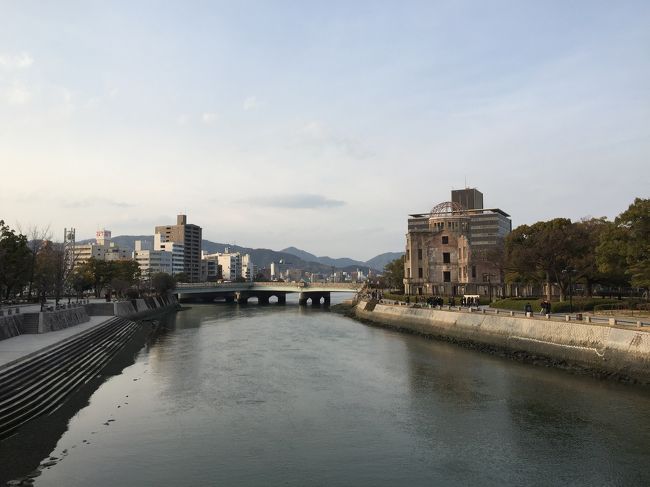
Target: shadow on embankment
22 453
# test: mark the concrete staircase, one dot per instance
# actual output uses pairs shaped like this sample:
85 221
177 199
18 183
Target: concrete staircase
40 384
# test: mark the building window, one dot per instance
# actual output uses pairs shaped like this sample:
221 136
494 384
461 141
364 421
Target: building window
408 254
446 276
408 272
446 257
419 254
445 240
473 272
420 272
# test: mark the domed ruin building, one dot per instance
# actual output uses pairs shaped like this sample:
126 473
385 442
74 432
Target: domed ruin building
457 248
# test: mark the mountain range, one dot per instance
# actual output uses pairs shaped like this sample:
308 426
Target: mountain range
291 256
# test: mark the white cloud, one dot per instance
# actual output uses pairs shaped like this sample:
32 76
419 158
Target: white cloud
296 201
17 95
251 103
209 118
20 61
183 120
317 134
314 129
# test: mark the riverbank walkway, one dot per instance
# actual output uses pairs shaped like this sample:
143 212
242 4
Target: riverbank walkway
20 347
608 320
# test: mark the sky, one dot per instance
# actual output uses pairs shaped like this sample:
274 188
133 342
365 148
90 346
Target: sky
319 125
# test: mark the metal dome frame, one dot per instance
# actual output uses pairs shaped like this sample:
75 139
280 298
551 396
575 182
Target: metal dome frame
447 208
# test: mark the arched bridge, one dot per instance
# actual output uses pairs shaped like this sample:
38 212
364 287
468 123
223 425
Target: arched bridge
313 292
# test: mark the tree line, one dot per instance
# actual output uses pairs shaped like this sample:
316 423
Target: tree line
34 267
594 252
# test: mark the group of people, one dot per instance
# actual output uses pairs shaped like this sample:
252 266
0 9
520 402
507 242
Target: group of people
470 301
546 308
376 294
439 301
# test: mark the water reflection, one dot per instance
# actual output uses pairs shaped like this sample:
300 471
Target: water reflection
283 395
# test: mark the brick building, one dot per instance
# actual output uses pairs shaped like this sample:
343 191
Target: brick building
455 249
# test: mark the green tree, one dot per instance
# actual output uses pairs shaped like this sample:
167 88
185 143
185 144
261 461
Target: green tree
394 273
127 271
163 282
542 252
625 248
47 270
100 273
182 277
591 232
81 280
15 259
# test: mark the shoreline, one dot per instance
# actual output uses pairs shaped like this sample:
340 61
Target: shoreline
516 354
23 453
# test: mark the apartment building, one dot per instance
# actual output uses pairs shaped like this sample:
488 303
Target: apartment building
190 236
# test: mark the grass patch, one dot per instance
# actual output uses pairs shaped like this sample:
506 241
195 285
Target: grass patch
579 304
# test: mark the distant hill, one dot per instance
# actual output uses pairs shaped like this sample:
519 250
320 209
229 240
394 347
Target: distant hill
377 263
291 256
339 263
380 261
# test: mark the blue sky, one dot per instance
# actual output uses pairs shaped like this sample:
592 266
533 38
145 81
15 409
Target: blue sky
319 124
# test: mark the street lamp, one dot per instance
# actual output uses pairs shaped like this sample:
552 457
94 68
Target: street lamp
569 271
488 277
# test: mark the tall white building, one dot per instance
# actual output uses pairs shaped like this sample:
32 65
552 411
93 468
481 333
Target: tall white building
152 261
247 268
177 251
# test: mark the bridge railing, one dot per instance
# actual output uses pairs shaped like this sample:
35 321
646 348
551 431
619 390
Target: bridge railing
348 286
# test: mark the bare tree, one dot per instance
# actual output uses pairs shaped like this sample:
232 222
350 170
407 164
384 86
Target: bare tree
36 238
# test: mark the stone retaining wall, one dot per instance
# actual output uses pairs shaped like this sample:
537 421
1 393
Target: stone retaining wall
145 307
64 318
618 350
11 326
135 308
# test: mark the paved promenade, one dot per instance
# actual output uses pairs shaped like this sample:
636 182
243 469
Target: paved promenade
21 346
583 317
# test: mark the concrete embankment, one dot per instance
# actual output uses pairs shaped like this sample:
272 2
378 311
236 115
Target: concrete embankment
134 309
42 391
622 352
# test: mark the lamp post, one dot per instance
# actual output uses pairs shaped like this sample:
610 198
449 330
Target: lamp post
569 271
488 278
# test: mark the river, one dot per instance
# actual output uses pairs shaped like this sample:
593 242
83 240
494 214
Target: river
283 395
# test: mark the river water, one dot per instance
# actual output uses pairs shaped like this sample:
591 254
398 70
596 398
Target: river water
284 395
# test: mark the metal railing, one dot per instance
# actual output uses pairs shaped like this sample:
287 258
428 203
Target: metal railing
343 286
576 317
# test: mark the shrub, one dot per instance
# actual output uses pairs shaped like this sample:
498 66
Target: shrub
132 293
579 304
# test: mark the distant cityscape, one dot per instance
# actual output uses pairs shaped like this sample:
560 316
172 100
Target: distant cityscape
177 250
449 251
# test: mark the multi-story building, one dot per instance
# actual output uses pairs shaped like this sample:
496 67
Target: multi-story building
190 236
247 268
177 251
210 269
455 248
233 265
102 249
152 261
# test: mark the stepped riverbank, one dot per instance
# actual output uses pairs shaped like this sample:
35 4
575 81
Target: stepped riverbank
31 443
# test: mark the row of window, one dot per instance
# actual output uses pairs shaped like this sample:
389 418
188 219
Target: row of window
446 275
